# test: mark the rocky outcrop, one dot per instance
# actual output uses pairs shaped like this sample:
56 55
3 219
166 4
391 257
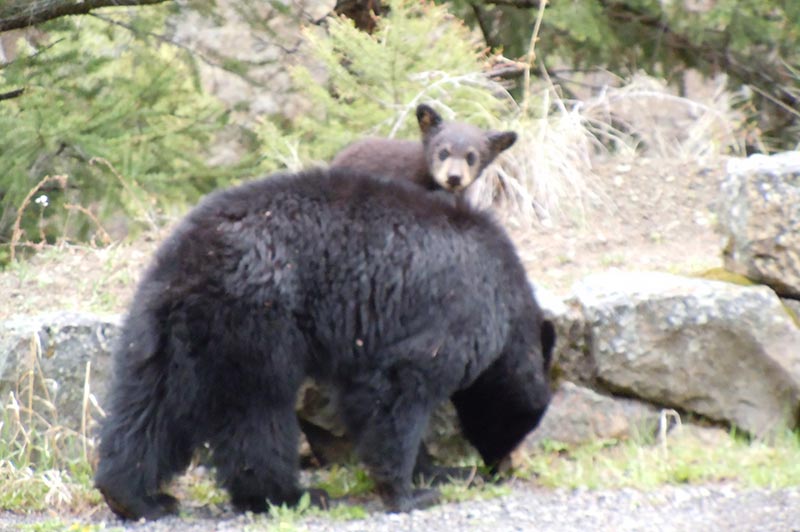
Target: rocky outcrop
724 351
759 216
244 51
51 352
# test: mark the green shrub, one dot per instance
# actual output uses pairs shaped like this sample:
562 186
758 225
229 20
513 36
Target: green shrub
373 83
96 90
754 43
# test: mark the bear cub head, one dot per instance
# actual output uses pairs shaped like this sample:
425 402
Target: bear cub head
457 153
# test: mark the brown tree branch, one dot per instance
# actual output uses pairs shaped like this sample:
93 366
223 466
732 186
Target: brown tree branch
11 94
523 4
23 13
483 24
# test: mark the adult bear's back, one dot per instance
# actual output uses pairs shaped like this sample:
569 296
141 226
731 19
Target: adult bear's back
339 203
366 262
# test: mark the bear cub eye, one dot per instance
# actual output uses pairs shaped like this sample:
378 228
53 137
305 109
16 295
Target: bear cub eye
471 158
443 154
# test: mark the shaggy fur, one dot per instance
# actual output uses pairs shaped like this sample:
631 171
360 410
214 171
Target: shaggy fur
396 299
451 156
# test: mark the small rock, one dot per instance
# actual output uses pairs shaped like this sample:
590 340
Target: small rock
579 415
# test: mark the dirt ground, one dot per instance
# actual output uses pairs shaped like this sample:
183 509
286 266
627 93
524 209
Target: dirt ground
662 218
656 215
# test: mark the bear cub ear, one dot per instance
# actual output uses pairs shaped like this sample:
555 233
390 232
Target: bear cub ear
500 141
428 119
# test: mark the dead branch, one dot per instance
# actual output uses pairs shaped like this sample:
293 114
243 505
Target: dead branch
524 4
23 13
11 94
16 230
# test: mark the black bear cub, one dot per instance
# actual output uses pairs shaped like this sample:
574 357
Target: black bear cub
396 299
451 156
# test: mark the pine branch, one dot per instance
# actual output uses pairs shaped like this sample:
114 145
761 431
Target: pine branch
762 76
23 13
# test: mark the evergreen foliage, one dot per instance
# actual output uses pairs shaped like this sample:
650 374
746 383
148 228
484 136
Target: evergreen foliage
417 53
97 90
94 89
755 42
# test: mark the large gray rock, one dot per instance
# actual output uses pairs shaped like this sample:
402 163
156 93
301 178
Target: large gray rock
52 351
578 414
728 352
569 360
759 215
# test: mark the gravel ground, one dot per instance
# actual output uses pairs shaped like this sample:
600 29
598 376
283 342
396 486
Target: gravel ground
685 508
669 508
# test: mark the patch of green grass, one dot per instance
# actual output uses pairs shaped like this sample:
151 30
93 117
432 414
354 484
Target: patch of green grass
345 512
341 481
289 518
102 300
612 259
28 488
198 488
43 464
204 491
19 268
685 458
459 491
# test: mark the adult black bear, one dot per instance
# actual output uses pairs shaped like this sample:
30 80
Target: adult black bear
395 298
451 156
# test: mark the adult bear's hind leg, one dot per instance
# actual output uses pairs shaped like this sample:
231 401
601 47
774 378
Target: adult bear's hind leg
257 459
141 449
387 418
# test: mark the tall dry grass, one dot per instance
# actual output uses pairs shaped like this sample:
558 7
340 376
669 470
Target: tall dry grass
549 177
44 464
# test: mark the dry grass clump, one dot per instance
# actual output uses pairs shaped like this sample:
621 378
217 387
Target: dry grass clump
548 176
44 464
647 114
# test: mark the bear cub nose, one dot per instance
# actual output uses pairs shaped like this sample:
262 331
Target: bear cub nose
454 180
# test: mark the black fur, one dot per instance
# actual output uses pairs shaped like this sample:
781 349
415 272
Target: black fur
396 298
